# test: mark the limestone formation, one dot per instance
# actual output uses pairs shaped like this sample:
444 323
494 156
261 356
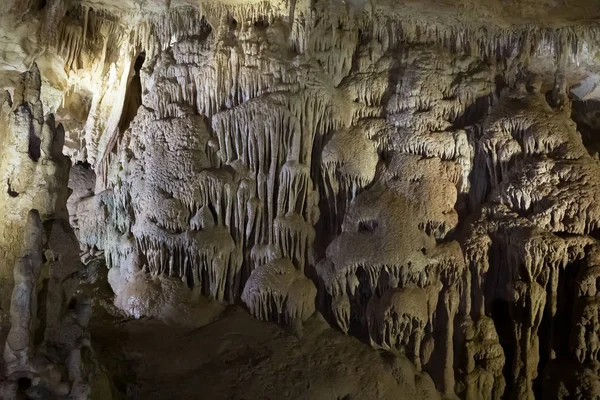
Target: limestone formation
47 353
278 291
19 347
424 175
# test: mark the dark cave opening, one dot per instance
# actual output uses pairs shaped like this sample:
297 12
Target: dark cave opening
72 304
133 95
10 191
23 384
545 345
39 5
44 293
85 165
552 337
34 146
232 23
261 23
501 84
359 303
586 115
566 294
474 112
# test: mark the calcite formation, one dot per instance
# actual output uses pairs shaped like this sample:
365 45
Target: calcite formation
18 350
277 289
47 353
425 178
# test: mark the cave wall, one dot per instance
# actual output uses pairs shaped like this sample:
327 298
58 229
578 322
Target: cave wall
421 184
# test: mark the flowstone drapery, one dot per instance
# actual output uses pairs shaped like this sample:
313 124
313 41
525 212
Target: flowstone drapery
415 175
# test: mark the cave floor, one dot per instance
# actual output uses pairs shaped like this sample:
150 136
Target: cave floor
239 357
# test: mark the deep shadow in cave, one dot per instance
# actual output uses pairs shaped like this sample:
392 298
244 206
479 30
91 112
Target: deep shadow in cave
133 95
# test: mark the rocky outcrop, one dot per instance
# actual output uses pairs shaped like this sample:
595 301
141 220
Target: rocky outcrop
47 351
420 183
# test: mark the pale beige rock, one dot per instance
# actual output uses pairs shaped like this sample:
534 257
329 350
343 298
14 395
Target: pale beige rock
47 351
278 291
410 169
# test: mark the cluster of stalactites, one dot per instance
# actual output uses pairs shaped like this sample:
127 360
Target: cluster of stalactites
442 268
316 37
278 291
208 259
82 32
404 305
257 194
530 243
531 267
398 320
486 44
520 129
386 27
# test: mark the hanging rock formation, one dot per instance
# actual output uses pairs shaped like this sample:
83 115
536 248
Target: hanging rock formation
425 175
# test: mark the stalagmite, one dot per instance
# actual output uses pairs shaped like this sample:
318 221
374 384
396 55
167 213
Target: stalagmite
451 302
484 360
19 348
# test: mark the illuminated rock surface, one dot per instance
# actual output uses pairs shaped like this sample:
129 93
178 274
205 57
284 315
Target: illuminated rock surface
410 190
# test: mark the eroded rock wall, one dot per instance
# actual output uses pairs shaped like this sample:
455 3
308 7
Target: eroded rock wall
421 184
47 350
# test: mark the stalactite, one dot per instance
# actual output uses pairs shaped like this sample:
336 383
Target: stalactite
278 291
278 140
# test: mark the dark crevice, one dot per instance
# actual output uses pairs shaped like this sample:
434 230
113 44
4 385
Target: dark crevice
41 4
358 303
474 112
261 23
232 23
11 192
586 115
133 95
84 164
552 336
367 226
40 330
501 84
565 297
545 345
23 384
34 146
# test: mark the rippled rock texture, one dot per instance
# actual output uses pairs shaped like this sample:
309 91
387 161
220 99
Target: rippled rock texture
425 176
